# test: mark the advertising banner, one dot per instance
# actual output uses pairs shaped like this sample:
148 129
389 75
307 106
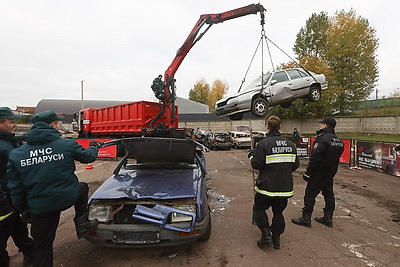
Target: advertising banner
104 152
380 157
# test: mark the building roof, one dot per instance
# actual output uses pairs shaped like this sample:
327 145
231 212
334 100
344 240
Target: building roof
69 107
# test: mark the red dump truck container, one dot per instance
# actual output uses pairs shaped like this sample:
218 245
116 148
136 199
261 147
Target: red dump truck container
124 120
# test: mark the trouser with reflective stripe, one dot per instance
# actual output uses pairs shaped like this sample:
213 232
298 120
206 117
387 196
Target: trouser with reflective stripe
14 227
315 185
278 204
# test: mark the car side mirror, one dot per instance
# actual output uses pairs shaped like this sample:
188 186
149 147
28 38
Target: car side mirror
273 82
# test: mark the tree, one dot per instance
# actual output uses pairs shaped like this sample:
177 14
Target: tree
311 39
343 47
351 54
218 90
200 91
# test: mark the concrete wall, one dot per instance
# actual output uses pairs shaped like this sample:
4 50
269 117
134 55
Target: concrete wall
387 125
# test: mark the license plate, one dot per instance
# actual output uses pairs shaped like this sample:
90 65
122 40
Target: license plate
129 237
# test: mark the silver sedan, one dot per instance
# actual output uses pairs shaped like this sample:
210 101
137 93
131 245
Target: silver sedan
279 88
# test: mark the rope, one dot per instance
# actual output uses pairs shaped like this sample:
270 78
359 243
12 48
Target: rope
247 71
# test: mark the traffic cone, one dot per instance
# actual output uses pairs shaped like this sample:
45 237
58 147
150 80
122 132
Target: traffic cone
89 166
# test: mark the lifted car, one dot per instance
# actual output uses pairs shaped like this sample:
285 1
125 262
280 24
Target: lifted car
160 199
280 88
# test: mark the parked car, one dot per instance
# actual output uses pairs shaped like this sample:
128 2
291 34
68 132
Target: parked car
200 136
240 139
280 88
155 197
220 140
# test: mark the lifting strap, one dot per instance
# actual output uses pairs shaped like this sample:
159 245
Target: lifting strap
263 37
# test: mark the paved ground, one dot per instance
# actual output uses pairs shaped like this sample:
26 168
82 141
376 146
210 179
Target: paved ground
366 224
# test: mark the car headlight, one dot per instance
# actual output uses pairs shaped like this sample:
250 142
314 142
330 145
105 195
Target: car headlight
179 217
99 212
232 100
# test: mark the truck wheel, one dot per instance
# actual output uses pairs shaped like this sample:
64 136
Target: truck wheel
315 94
259 107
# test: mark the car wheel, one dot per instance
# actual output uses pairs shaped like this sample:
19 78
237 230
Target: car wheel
207 235
315 94
236 117
259 107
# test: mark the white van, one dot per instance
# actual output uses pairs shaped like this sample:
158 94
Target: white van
240 139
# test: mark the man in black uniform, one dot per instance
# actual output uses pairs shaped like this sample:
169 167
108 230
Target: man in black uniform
319 174
276 158
158 88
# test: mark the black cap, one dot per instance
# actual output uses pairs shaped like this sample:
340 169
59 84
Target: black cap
47 117
329 121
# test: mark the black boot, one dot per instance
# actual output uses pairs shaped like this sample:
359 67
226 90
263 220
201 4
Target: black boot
84 226
5 261
304 220
276 238
265 239
326 219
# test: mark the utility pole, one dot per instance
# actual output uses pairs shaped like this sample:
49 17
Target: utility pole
82 93
376 93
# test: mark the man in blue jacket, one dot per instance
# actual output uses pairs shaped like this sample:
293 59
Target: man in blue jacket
10 221
42 182
276 158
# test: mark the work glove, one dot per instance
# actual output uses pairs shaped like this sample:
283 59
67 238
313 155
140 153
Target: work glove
26 215
250 154
306 177
95 143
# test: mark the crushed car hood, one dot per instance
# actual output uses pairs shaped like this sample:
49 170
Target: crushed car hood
154 184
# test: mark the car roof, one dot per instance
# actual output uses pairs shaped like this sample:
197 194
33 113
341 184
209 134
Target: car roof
158 149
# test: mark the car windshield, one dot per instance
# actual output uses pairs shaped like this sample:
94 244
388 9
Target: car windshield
257 82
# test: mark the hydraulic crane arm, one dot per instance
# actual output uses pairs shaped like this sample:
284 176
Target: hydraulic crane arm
191 40
209 19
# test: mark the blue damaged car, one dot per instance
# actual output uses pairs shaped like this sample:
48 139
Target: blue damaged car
155 197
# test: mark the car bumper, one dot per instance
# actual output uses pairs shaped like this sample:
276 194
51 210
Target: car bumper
106 235
233 108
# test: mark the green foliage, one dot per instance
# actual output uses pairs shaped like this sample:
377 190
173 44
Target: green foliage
200 92
311 39
351 53
343 47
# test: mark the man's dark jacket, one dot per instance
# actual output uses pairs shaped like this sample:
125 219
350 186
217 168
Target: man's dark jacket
276 158
6 145
325 155
41 172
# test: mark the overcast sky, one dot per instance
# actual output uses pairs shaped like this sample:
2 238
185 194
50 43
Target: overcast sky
118 47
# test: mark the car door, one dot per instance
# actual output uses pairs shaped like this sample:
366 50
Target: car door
299 82
280 88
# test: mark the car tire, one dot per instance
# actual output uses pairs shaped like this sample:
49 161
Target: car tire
236 117
207 235
259 107
314 94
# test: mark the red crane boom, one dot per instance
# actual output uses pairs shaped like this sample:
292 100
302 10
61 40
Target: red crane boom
192 39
